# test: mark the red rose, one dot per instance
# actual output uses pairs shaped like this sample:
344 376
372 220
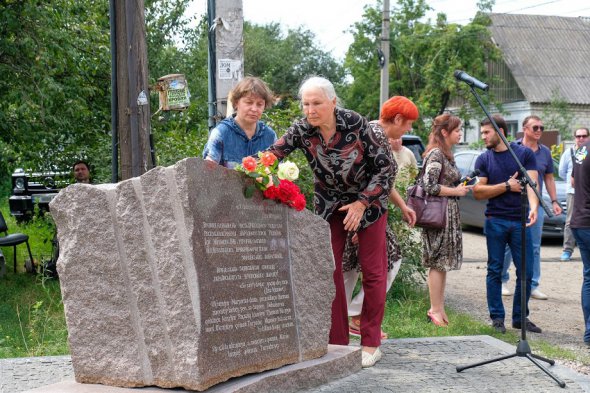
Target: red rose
271 192
287 191
267 158
249 164
299 202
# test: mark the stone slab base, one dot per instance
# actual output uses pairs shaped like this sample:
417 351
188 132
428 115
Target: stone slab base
339 362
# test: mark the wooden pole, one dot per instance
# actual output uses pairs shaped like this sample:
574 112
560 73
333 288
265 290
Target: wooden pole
132 89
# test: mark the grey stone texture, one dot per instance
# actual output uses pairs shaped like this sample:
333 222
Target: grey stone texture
175 279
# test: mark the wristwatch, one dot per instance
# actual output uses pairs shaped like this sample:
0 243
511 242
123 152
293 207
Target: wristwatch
555 201
507 186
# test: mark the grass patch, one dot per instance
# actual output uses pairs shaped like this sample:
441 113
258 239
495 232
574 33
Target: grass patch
405 317
32 321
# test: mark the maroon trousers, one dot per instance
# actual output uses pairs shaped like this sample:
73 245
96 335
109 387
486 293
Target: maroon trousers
372 254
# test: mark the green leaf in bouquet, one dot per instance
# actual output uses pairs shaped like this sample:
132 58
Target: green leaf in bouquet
249 191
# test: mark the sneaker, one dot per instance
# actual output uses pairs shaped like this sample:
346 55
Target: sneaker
505 290
369 360
566 256
530 327
536 294
498 326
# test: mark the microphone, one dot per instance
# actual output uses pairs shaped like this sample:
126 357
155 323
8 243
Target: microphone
467 178
471 81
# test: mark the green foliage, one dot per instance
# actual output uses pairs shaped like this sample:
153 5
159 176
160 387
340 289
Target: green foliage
32 321
409 240
55 61
423 57
558 115
284 61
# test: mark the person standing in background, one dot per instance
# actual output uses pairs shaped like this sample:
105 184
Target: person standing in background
404 158
580 225
81 171
533 128
566 164
442 249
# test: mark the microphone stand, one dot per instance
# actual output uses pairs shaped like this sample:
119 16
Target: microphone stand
523 349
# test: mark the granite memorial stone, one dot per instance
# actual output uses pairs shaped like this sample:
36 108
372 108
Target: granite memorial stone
175 279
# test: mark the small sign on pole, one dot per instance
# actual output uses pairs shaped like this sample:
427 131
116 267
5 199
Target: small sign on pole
173 92
227 68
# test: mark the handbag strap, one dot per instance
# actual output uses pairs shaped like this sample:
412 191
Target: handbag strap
421 174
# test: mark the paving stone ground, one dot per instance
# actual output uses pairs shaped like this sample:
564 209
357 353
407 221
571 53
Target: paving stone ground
409 365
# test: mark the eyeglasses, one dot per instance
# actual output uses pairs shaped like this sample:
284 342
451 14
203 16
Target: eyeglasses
537 128
581 136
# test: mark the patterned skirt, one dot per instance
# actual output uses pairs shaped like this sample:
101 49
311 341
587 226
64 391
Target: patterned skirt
442 249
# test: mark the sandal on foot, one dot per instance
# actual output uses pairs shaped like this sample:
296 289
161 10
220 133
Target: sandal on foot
432 319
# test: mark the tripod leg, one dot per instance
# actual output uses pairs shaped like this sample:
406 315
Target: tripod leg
551 362
461 368
532 359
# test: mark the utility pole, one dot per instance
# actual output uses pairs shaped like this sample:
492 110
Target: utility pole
226 54
384 55
133 110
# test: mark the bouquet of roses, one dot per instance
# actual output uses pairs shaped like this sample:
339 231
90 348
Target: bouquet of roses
273 179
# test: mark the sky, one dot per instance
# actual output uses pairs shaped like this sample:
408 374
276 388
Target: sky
329 19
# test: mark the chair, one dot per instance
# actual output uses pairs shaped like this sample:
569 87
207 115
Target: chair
13 240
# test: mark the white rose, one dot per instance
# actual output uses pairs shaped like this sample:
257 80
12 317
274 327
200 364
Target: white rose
288 171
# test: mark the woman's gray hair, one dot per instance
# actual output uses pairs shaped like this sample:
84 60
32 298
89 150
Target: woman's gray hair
317 82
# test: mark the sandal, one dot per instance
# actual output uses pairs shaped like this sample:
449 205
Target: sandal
355 330
432 319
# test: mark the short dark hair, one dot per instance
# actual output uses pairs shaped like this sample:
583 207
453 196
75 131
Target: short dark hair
526 119
81 162
499 120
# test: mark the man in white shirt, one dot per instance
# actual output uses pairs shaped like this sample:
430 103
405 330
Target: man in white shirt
403 157
565 172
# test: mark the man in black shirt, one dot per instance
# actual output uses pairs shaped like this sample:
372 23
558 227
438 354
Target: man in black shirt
580 225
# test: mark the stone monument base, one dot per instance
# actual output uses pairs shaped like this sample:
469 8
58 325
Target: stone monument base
339 362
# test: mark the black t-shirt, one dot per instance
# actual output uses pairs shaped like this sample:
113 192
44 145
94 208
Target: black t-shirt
581 175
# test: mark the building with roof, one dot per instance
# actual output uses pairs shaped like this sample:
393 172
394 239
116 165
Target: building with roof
544 58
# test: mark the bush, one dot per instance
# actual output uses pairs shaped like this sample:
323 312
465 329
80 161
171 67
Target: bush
411 272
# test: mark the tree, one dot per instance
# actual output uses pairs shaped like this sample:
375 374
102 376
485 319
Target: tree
423 58
283 61
558 115
54 58
55 90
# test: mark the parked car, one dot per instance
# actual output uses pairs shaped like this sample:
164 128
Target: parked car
472 210
34 188
414 143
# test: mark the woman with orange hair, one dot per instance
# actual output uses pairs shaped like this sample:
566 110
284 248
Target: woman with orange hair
397 115
442 248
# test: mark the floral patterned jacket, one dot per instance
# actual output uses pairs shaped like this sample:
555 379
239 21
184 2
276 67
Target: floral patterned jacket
355 164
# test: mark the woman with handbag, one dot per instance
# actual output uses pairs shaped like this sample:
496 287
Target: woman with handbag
442 247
